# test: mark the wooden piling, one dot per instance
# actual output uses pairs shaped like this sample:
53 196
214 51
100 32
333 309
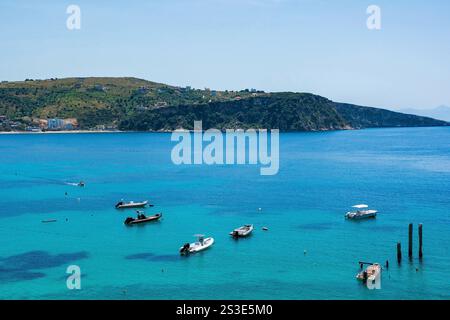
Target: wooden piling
420 242
410 241
399 252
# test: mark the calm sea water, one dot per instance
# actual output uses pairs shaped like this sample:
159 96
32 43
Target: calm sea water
404 173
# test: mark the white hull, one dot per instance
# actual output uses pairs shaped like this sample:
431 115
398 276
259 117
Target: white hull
242 231
132 205
370 274
359 215
197 246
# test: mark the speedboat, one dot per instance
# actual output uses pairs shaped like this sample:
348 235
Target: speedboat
361 212
141 218
242 231
131 204
201 244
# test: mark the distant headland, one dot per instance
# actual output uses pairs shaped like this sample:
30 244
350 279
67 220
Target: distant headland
130 104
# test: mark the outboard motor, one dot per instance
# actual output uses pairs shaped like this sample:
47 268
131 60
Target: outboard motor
128 220
185 248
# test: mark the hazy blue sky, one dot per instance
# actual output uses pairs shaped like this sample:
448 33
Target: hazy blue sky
323 47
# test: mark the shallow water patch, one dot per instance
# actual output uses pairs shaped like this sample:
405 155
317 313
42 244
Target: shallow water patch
23 266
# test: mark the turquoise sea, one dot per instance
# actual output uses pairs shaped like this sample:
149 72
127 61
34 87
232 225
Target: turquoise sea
309 252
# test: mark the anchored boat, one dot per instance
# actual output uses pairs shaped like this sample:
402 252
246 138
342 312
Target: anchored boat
131 204
141 218
361 212
201 244
243 231
371 273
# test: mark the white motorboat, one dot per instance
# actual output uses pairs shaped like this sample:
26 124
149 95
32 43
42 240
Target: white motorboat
201 244
131 204
361 212
242 231
371 273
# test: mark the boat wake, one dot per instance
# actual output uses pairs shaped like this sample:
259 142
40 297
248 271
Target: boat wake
75 184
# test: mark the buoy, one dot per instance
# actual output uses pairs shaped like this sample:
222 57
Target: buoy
259 209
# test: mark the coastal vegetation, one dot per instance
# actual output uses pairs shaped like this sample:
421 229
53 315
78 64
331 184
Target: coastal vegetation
135 104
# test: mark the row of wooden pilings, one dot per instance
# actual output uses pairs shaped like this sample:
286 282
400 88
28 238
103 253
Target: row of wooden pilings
410 244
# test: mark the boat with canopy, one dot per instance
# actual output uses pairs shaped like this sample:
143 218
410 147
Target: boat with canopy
361 212
201 244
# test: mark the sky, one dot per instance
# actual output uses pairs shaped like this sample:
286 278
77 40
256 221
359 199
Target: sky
322 47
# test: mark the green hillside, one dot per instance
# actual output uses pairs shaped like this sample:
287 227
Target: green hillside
135 104
284 111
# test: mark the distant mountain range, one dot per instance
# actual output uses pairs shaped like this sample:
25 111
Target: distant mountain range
136 104
441 112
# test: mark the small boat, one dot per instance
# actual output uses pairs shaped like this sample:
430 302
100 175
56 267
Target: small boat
49 221
361 212
131 204
81 184
242 231
201 244
372 272
142 218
